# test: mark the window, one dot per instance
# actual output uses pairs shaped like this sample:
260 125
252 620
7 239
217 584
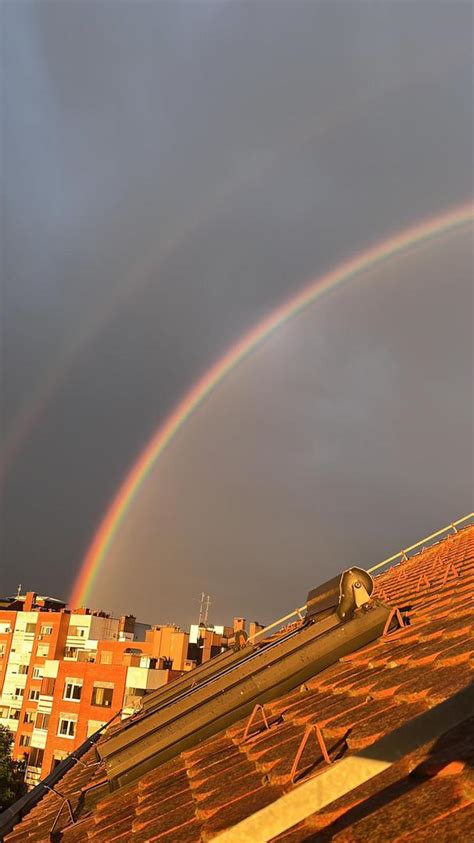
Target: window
135 692
38 672
58 756
102 696
43 650
36 757
2 650
42 721
29 716
23 669
34 694
30 628
25 740
47 686
71 652
4 711
46 630
14 714
67 727
106 657
78 631
19 692
72 689
5 628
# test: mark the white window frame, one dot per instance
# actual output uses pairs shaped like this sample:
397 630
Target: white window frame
70 728
72 684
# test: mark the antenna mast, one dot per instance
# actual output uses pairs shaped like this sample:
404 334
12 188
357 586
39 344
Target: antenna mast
204 609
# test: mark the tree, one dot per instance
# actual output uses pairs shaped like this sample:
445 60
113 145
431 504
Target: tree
12 784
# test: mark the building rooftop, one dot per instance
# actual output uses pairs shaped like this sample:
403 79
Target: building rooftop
357 701
31 602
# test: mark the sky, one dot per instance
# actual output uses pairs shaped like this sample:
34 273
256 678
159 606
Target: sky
171 173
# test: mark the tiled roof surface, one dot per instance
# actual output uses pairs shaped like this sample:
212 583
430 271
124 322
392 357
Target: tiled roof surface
363 696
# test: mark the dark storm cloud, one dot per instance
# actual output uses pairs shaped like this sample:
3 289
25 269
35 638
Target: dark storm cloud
180 168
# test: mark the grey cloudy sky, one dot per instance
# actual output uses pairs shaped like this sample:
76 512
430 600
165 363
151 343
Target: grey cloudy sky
171 172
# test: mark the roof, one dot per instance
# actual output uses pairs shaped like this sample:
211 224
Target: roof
364 696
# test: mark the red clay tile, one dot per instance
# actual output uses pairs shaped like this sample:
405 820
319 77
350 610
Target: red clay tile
239 809
145 811
163 822
365 733
222 779
455 825
431 768
188 832
363 696
398 811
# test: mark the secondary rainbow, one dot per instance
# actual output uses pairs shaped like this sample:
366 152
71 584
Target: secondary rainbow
381 252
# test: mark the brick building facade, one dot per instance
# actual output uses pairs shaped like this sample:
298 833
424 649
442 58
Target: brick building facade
63 674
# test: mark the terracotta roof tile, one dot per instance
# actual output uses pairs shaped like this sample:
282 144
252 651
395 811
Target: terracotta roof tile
365 695
389 821
388 797
163 822
236 809
456 825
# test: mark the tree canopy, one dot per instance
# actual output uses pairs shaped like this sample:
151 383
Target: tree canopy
12 784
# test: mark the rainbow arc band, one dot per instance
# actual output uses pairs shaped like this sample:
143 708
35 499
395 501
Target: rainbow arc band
381 252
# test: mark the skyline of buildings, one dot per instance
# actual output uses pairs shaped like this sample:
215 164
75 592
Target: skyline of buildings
66 674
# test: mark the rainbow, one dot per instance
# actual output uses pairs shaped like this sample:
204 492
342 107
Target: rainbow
383 251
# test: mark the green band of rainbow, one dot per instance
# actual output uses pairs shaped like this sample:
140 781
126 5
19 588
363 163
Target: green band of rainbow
368 259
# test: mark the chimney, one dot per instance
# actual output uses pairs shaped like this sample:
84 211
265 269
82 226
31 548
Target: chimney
29 601
238 623
254 627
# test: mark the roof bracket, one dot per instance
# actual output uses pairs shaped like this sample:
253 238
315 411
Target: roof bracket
89 764
258 708
64 801
423 581
395 613
381 592
311 729
450 568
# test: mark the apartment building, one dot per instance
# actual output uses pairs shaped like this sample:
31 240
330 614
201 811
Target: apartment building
64 675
